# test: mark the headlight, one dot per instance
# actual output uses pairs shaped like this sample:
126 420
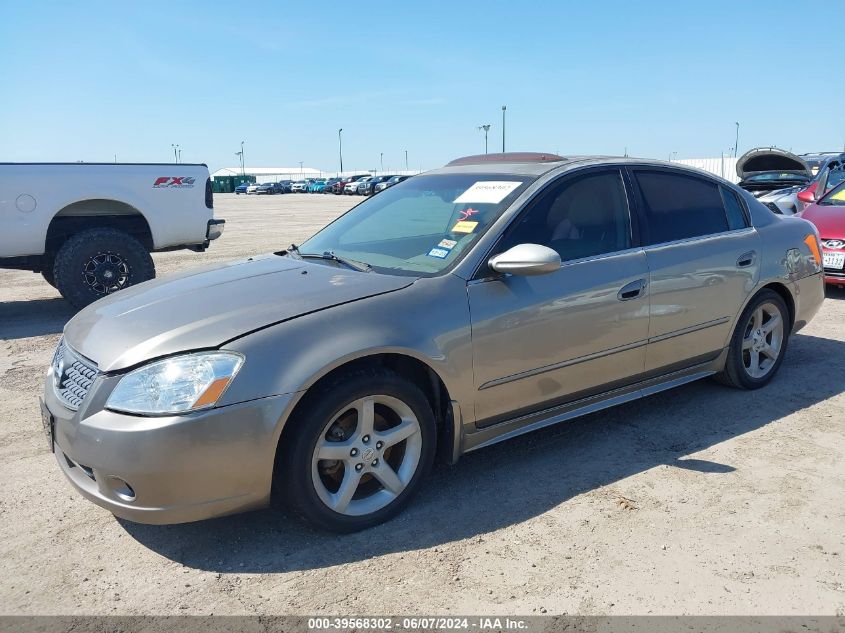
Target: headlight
176 385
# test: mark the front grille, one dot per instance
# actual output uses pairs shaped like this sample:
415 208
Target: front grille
73 376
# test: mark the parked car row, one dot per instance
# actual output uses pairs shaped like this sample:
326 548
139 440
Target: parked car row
362 185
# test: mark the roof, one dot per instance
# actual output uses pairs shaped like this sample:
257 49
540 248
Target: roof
507 157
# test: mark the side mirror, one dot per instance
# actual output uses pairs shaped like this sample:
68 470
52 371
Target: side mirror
526 259
806 195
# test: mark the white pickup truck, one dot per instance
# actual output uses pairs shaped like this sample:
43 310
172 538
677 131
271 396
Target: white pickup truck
89 228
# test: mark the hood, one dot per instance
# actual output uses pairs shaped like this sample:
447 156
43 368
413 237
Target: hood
204 308
766 159
829 220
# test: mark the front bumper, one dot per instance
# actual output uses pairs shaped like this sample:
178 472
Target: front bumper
178 468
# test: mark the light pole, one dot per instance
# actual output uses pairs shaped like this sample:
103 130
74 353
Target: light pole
300 169
486 129
736 142
340 148
243 162
672 156
240 160
406 160
503 128
175 152
381 160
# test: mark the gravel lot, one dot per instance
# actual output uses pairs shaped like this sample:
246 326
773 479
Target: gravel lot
702 500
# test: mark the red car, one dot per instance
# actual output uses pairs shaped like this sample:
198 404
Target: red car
828 214
831 172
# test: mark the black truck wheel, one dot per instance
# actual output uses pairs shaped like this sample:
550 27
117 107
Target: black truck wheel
99 262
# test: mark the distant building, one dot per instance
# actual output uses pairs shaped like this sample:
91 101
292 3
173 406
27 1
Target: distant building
270 174
724 166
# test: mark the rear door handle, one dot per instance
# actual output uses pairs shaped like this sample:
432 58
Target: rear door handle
632 290
746 259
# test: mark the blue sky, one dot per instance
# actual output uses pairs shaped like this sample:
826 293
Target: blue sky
88 80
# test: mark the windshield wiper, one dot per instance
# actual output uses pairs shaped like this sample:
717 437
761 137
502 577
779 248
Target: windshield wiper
362 267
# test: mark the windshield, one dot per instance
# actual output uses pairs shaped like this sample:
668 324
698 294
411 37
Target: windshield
835 197
421 225
774 175
834 177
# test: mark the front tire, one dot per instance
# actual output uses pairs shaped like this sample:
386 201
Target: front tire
758 344
99 262
358 451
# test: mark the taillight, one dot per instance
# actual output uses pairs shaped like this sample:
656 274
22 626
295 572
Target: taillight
815 248
209 195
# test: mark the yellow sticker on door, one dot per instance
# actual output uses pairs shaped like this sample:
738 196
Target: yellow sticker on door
464 226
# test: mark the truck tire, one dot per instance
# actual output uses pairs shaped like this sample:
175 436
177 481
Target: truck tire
99 262
47 271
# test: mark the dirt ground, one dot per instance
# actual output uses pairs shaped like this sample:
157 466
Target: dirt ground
702 500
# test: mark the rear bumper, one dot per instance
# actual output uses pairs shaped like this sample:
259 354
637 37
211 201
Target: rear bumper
214 229
808 294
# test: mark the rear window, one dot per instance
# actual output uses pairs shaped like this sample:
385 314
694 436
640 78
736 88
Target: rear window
733 209
679 207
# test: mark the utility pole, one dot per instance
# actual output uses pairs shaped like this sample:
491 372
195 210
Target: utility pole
243 162
406 160
340 148
736 143
175 152
381 161
503 128
486 127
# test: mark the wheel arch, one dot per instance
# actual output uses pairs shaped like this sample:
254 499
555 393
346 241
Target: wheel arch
785 294
410 367
97 213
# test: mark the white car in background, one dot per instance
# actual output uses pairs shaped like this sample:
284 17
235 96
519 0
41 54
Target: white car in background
252 188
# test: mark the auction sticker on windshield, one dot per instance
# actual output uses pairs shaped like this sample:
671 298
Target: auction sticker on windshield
487 192
464 227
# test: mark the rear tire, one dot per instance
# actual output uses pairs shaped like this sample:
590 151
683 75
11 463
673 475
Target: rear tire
758 344
339 442
47 270
98 262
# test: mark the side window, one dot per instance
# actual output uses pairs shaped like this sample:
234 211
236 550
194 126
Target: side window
679 207
577 218
733 209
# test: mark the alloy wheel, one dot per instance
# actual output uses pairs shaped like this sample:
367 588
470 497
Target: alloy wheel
105 273
366 455
762 343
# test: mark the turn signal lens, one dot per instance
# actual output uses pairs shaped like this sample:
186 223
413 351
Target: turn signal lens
815 248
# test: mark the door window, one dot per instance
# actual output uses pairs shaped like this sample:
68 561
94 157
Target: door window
577 218
679 207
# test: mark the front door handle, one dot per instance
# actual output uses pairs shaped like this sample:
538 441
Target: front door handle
632 290
746 259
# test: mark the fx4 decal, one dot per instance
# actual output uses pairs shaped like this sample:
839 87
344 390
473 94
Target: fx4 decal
173 182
